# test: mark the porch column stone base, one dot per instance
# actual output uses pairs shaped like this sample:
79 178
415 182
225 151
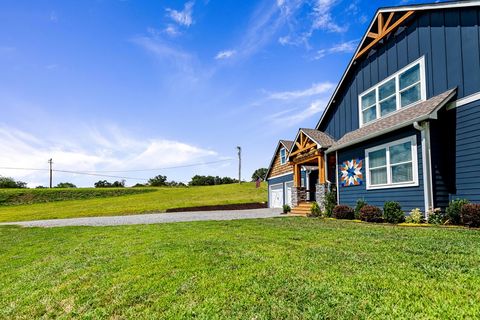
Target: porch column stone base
321 190
299 195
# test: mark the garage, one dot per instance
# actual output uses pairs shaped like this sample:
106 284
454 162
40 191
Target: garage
288 193
276 195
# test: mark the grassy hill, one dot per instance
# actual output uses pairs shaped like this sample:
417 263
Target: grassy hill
92 202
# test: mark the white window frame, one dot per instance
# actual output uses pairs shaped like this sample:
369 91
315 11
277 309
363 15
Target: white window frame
284 159
390 184
423 92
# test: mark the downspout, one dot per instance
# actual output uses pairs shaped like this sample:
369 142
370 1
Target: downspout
427 164
336 177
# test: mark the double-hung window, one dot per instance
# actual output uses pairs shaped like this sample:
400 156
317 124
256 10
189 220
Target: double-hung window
392 165
283 156
398 91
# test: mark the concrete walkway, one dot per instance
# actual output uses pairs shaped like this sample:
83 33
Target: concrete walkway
152 218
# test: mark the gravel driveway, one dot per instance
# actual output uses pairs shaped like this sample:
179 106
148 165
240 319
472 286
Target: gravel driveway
153 218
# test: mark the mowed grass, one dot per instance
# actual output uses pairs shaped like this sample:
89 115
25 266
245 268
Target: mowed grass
156 201
282 268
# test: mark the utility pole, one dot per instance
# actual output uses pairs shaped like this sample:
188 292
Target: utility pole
50 162
239 164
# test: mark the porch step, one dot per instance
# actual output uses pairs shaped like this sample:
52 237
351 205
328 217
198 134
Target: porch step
303 208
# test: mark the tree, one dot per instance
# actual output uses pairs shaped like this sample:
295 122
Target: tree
106 184
65 185
260 173
158 181
6 182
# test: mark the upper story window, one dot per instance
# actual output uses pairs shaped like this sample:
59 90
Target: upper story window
392 165
400 90
283 156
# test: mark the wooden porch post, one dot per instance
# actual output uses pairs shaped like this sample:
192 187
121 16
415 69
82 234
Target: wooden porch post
321 169
297 176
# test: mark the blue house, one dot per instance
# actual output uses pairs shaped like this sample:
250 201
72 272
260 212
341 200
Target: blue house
404 121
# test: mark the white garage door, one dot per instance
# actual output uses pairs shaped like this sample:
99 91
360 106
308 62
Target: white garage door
288 193
276 196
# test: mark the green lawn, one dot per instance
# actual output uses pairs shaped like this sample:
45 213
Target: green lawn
158 200
283 268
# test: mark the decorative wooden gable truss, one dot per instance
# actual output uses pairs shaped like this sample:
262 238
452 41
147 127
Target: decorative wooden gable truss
382 26
306 151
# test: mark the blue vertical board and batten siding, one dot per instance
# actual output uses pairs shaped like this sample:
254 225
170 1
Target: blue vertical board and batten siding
409 197
448 39
467 155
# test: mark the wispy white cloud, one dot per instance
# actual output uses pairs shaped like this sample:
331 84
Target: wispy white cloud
183 17
295 116
315 89
225 54
53 16
166 52
342 47
323 19
108 149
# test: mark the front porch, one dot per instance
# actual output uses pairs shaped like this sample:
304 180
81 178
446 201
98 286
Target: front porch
308 153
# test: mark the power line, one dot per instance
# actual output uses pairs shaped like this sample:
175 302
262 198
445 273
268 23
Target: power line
99 172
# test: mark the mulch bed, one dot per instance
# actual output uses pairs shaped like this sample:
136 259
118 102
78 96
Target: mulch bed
241 206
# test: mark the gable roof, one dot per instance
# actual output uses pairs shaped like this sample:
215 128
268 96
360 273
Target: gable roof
422 111
287 144
382 10
322 139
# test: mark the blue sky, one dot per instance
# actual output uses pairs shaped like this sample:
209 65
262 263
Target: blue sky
109 85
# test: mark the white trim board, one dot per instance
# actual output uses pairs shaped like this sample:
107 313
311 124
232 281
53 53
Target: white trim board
463 101
280 175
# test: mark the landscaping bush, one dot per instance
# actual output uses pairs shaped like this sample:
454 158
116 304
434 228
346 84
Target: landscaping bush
436 216
360 204
392 212
286 208
371 214
315 210
470 214
343 212
416 216
453 210
330 202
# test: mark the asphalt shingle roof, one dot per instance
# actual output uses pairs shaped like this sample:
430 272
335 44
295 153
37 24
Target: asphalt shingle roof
287 144
405 117
321 138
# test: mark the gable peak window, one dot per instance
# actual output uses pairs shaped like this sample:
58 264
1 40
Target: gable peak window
401 90
283 156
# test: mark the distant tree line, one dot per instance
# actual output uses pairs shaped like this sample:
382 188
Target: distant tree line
210 180
6 182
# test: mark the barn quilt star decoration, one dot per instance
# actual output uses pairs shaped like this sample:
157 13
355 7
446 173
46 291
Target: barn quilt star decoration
351 172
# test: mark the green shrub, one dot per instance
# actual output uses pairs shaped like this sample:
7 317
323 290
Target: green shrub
343 212
370 213
315 210
436 216
453 210
286 208
360 204
416 216
470 214
392 212
330 202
